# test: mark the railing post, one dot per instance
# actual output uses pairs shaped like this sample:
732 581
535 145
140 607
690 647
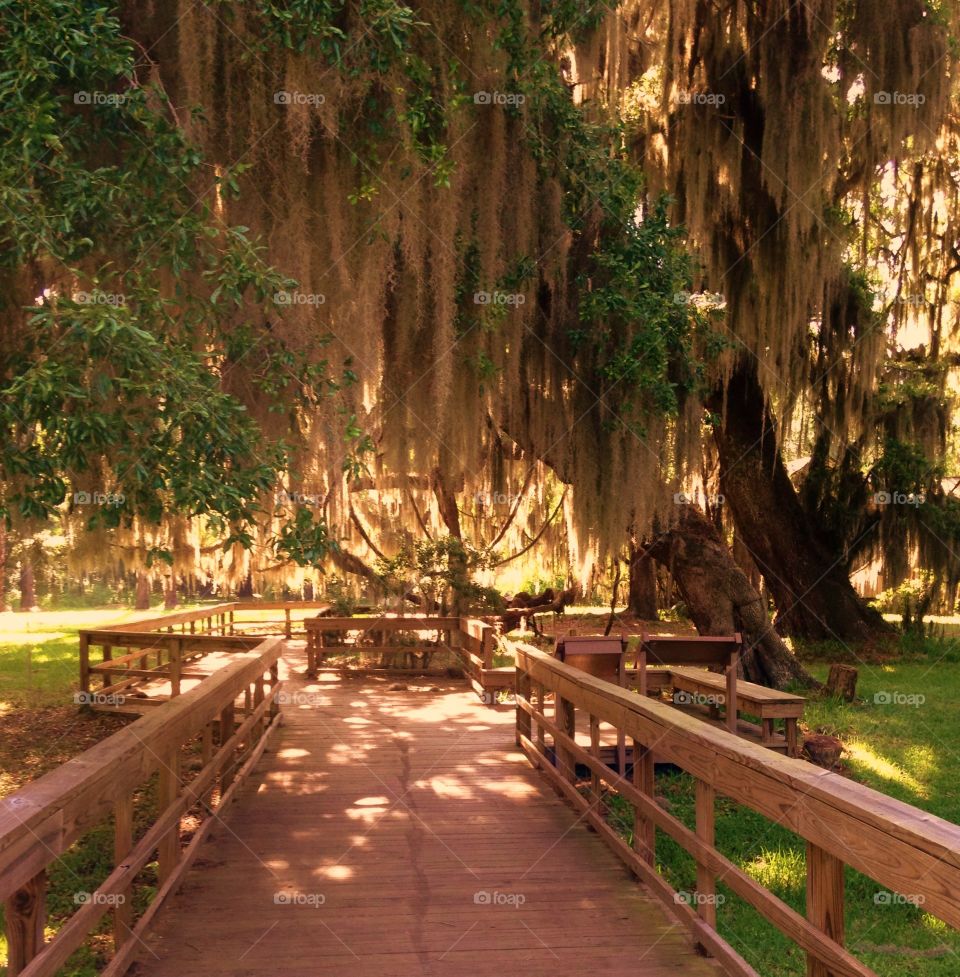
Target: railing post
706 883
257 699
232 629
489 645
524 723
206 755
26 916
107 656
287 630
731 676
565 718
175 646
318 653
542 709
84 664
169 847
122 845
274 682
644 830
226 731
595 785
825 889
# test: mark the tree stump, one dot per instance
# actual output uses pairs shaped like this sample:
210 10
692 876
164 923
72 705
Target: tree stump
822 750
842 682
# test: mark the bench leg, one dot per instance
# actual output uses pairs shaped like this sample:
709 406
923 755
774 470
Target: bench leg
768 733
790 730
731 696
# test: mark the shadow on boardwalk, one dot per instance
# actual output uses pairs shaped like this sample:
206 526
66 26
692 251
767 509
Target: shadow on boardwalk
398 832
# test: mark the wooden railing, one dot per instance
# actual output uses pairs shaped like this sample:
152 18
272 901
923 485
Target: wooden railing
478 644
41 821
472 640
164 647
843 823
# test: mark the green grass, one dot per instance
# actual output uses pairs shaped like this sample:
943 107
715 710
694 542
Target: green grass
39 665
909 750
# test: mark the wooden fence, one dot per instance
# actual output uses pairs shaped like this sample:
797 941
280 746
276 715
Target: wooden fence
167 649
42 820
843 823
163 648
473 641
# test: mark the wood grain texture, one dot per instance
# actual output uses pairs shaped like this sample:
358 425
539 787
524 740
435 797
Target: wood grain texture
899 846
396 832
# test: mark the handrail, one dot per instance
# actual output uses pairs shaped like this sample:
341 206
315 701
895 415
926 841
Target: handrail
903 848
39 822
178 617
174 639
196 633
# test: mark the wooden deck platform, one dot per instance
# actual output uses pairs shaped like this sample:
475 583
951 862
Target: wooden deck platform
394 831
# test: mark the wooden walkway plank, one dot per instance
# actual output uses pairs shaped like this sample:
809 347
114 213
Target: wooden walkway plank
400 832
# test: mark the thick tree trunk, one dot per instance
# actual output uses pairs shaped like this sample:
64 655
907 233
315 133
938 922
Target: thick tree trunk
808 581
721 599
245 590
642 587
4 606
28 591
170 594
447 502
142 599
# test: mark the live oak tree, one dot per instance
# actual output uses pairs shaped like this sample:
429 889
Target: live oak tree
125 301
425 255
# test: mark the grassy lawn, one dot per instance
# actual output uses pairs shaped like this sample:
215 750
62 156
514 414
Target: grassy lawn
905 744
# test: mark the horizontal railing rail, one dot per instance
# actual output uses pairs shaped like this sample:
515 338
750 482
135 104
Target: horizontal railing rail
471 639
909 851
162 648
40 822
378 636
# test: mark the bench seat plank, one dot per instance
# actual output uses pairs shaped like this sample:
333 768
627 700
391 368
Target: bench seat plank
757 700
750 692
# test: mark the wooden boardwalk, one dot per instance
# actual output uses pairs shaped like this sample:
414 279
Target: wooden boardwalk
391 832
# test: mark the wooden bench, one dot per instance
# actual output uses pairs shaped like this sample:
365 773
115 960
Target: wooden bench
603 657
721 651
757 700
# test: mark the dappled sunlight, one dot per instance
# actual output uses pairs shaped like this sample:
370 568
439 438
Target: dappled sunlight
446 787
32 637
860 753
372 815
933 925
779 870
922 761
345 753
336 872
513 788
369 809
329 678
290 752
